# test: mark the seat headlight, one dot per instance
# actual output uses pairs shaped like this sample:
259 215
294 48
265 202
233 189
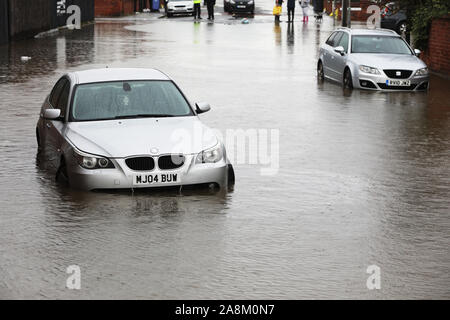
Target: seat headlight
91 162
421 72
367 69
211 155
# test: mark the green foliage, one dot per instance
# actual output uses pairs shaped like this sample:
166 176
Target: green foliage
422 15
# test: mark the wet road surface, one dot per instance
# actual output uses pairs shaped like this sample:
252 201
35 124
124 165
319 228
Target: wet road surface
363 177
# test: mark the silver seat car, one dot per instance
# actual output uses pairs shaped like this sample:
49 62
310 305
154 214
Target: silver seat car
375 59
128 128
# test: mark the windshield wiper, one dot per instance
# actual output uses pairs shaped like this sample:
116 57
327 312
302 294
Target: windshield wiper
132 116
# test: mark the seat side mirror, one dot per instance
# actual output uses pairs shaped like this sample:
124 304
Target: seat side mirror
417 52
340 50
52 114
202 107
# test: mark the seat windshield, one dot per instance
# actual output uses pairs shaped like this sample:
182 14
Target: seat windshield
128 99
379 44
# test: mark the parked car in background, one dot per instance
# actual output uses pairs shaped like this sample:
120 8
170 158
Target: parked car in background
393 18
239 6
226 6
179 7
376 59
124 128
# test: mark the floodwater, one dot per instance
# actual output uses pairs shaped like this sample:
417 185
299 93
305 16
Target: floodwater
363 179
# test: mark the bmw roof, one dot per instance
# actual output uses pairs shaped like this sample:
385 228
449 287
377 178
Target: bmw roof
117 74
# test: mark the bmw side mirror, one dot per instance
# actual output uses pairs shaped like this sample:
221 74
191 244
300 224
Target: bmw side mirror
51 114
340 50
202 107
417 52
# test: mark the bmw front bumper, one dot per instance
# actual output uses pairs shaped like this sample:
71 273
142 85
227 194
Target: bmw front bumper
121 177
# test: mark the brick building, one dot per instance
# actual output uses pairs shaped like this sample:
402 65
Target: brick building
359 12
112 8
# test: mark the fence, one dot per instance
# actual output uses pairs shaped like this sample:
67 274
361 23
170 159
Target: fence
25 18
4 29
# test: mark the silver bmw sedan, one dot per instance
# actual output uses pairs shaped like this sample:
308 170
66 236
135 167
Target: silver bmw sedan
376 59
128 128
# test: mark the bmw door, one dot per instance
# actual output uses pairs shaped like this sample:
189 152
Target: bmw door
54 128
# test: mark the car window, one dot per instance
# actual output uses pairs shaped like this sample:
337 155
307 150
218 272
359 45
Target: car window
337 38
56 91
331 39
379 44
128 99
334 38
64 98
344 41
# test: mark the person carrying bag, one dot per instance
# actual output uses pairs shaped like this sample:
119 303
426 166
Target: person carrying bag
277 10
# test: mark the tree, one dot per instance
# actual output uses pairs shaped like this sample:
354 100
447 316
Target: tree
422 18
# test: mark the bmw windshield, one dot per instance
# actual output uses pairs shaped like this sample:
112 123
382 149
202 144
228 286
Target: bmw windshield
379 44
128 99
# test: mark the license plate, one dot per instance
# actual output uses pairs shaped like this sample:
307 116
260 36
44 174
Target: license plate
241 7
160 178
180 8
398 83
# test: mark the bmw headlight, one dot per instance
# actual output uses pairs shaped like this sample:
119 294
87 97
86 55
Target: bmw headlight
421 72
93 162
367 69
211 155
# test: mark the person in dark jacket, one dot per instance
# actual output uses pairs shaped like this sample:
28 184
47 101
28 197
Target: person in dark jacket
210 6
291 9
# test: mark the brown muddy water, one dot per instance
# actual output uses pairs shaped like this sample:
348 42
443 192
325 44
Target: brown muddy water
364 177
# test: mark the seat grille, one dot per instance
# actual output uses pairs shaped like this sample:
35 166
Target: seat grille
140 163
392 73
169 162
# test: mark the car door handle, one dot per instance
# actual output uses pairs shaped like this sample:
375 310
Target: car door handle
48 125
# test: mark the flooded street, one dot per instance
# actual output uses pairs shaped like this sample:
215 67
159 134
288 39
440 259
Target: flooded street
363 179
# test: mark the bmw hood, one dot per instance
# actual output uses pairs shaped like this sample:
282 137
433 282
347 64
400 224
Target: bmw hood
388 61
144 136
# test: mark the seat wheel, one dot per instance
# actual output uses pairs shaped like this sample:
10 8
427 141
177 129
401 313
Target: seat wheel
348 82
320 74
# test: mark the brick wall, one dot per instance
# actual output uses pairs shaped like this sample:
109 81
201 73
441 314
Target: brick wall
112 8
438 52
